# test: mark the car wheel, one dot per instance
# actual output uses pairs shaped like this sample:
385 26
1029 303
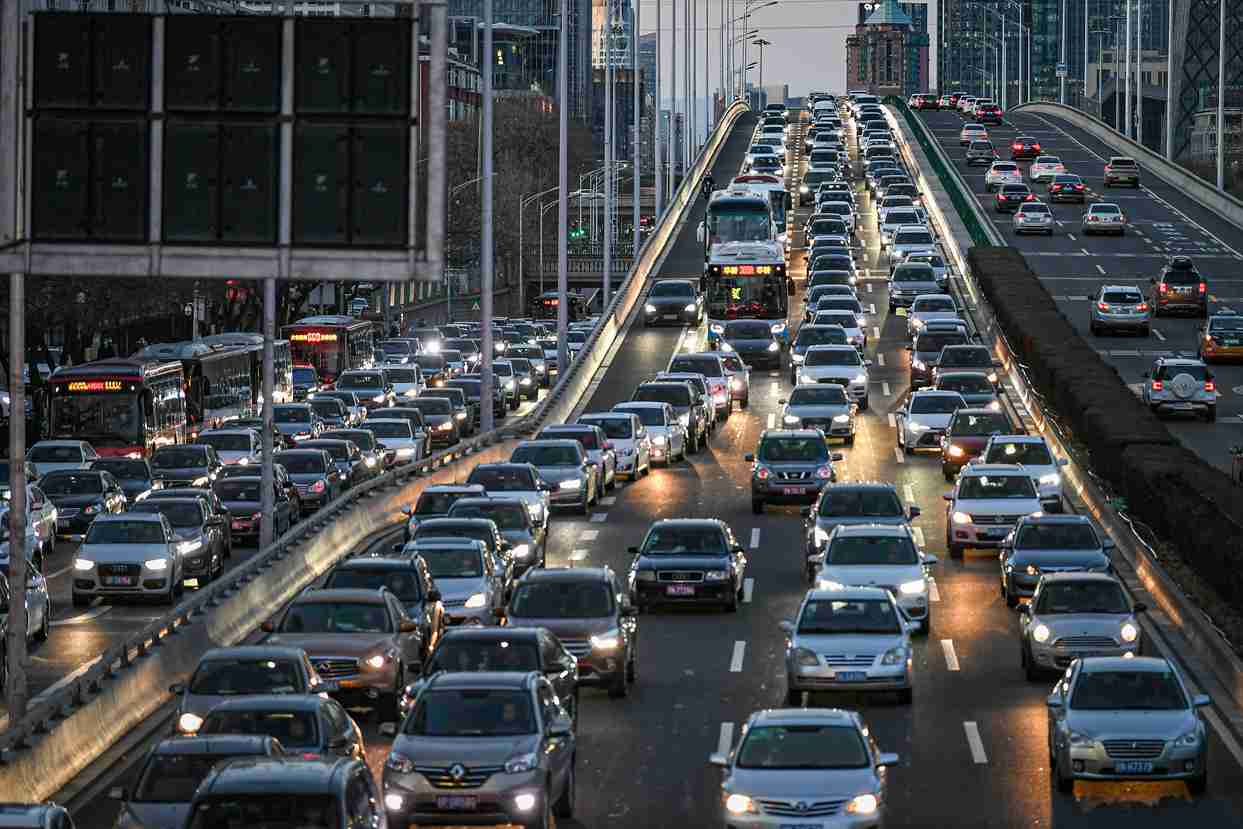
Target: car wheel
731 606
850 440
746 401
1198 784
1030 671
632 670
45 629
956 550
1146 331
564 807
906 696
1011 599
863 404
794 698
757 506
1210 414
618 688
80 600
545 819
1064 782
947 473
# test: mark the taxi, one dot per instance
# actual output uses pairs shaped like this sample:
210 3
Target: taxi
1221 338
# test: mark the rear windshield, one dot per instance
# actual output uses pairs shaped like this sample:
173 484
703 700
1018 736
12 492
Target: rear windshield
977 424
827 335
1025 452
238 490
470 655
1122 162
438 503
508 516
362 439
546 454
914 273
370 380
505 479
926 343
229 443
707 366
301 464
648 415
292 728
674 395
388 429
1175 276
1123 297
586 438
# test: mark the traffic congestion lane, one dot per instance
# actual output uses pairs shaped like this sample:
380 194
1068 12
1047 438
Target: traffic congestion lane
1162 222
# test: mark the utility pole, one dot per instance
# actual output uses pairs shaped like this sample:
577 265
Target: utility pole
761 42
1221 98
1139 71
563 185
657 169
674 151
608 149
1061 80
635 132
486 421
1126 72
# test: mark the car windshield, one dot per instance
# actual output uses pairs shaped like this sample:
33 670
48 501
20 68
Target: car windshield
173 778
562 600
583 436
402 583
482 712
452 562
336 617
935 404
232 443
62 483
978 424
742 330
976 357
388 429
913 237
677 395
238 490
827 335
966 383
299 463
507 516
401 375
1128 691
914 273
124 470
682 540
1222 324
672 289
614 428
179 514
790 450
338 451
369 380
125 532
934 303
819 396
848 304
849 616
871 503
178 458
468 655
511 479
546 454
1057 536
802 747
54 454
1024 452
304 376
995 486
294 729
234 677
649 415
832 357
1089 596
872 550
432 405
292 414
707 366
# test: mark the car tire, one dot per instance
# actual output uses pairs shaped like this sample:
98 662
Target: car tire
1064 782
80 600
947 474
956 550
1199 784
45 629
863 404
564 807
906 696
1210 414
1146 331
545 819
731 606
584 508
1030 672
1011 599
850 440
619 688
757 506
794 698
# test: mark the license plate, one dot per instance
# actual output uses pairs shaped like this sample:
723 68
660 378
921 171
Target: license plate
669 317
457 802
794 490
118 581
240 525
680 590
800 826
850 676
1133 767
994 533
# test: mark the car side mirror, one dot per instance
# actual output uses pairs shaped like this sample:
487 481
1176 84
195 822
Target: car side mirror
949 496
781 402
718 758
805 512
887 759
913 513
116 793
1152 281
177 688
699 233
928 559
749 457
908 348
1063 462
1054 700
561 727
634 551
837 456
399 547
1025 609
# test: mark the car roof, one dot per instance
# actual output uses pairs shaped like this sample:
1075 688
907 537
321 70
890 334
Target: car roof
635 404
847 591
831 346
1104 664
482 679
239 431
566 427
1062 518
452 522
223 745
562 442
568 574
443 542
253 652
128 516
340 594
271 702
470 488
849 485
1132 288
994 469
804 716
375 563
892 530
1079 575
1016 438
263 775
477 633
795 433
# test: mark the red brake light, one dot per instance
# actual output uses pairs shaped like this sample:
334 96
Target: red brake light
1017 146
762 473
1143 306
1209 385
1036 147
1030 197
1157 385
1163 287
1078 186
1103 306
1203 287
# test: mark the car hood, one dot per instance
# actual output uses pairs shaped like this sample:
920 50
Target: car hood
704 562
871 575
557 474
931 420
1054 560
307 477
670 302
1084 624
1122 725
998 506
482 751
232 455
154 815
929 287
835 372
849 643
749 346
122 553
333 644
76 500
133 486
972 443
818 410
566 628
801 784
451 589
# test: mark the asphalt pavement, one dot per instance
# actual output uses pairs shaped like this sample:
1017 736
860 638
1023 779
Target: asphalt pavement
1162 222
973 743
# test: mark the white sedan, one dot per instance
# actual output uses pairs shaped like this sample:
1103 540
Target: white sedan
1045 167
1002 172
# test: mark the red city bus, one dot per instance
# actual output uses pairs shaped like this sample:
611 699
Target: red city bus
331 344
123 408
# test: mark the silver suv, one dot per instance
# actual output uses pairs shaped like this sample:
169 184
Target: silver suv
482 749
1119 308
1076 615
1180 384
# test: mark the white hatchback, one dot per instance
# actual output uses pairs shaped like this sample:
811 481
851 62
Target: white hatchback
1034 454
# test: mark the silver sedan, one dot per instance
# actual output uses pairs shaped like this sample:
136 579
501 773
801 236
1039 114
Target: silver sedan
1103 218
1073 615
1034 217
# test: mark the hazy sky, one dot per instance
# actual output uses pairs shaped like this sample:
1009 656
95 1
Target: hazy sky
808 38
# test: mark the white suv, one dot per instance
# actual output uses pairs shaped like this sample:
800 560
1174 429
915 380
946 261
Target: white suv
1032 452
985 503
1002 172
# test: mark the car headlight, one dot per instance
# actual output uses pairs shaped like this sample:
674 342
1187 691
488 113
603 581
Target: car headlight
509 384
447 426
1052 479
476 600
916 322
459 415
955 451
607 641
860 378
961 518
726 347
685 419
913 588
821 536
773 346
202 480
992 377
740 804
521 550
716 328
791 420
806 657
716 575
379 398
918 365
525 381
894 656
369 461
412 392
571 485
522 763
82 565
400 763
185 548
649 309
1191 738
806 378
1041 633
690 308
778 327
864 804
189 723
645 575
1129 632
659 440
798 359
1078 738
156 564
376 661
803 188
916 427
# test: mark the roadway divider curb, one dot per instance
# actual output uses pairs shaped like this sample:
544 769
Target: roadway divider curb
1206 194
1197 629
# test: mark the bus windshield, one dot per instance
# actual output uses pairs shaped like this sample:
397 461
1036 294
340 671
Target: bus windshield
759 297
100 419
739 223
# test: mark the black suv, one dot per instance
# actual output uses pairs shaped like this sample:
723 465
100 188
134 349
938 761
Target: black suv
1180 287
313 793
688 561
586 609
185 465
674 301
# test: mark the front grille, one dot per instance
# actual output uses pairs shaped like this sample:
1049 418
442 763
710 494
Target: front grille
1134 749
792 475
801 808
1086 642
131 570
335 667
469 777
67 512
856 660
679 575
578 647
454 602
993 519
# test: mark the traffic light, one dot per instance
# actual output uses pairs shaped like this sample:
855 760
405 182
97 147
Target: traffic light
578 232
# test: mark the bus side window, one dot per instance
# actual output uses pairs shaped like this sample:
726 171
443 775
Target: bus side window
148 409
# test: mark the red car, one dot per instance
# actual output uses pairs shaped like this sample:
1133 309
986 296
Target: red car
1024 147
990 114
1067 188
967 434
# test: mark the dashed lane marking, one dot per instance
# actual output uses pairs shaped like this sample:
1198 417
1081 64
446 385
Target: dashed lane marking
919 536
934 593
908 492
588 535
951 658
579 554
608 500
898 456
772 419
1102 270
725 741
83 618
876 332
735 662
884 389
880 359
893 421
1157 333
755 538
748 590
599 517
973 742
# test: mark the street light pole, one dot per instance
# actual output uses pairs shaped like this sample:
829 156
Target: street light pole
1061 81
1221 99
1126 72
657 170
635 132
1139 71
486 422
761 42
674 152
563 184
608 147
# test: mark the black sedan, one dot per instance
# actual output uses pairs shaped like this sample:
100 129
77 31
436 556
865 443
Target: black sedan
243 498
1067 187
134 475
79 496
1010 196
351 464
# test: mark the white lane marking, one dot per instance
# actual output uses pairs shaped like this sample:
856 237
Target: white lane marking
1070 236
589 535
599 517
897 453
62 571
772 419
951 658
735 662
908 492
608 501
869 285
919 536
884 389
755 538
776 388
871 307
748 589
974 742
1102 270
1086 252
1156 333
726 740
83 618
578 555
875 332
934 594
880 359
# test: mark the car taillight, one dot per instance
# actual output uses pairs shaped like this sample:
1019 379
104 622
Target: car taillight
1030 197
318 486
1157 385
1209 385
826 472
762 473
1142 307
1036 148
1103 306
1016 147
1203 287
1163 287
1078 186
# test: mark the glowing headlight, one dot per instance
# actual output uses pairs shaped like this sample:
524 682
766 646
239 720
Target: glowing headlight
571 485
739 804
821 536
650 309
716 328
509 384
962 518
918 365
1191 738
803 188
405 452
955 451
525 802
726 347
189 723
522 763
379 398
607 641
791 420
1129 632
377 661
913 588
659 440
476 600
202 480
393 802
525 381
773 346
992 377
185 547
82 565
806 378
447 426
860 378
798 359
894 656
412 392
778 327
716 575
1041 633
864 804
690 308
521 551
685 419
1052 479
156 564
459 415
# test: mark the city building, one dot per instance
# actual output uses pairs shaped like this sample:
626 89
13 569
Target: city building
924 20
885 55
1195 80
647 63
1203 145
